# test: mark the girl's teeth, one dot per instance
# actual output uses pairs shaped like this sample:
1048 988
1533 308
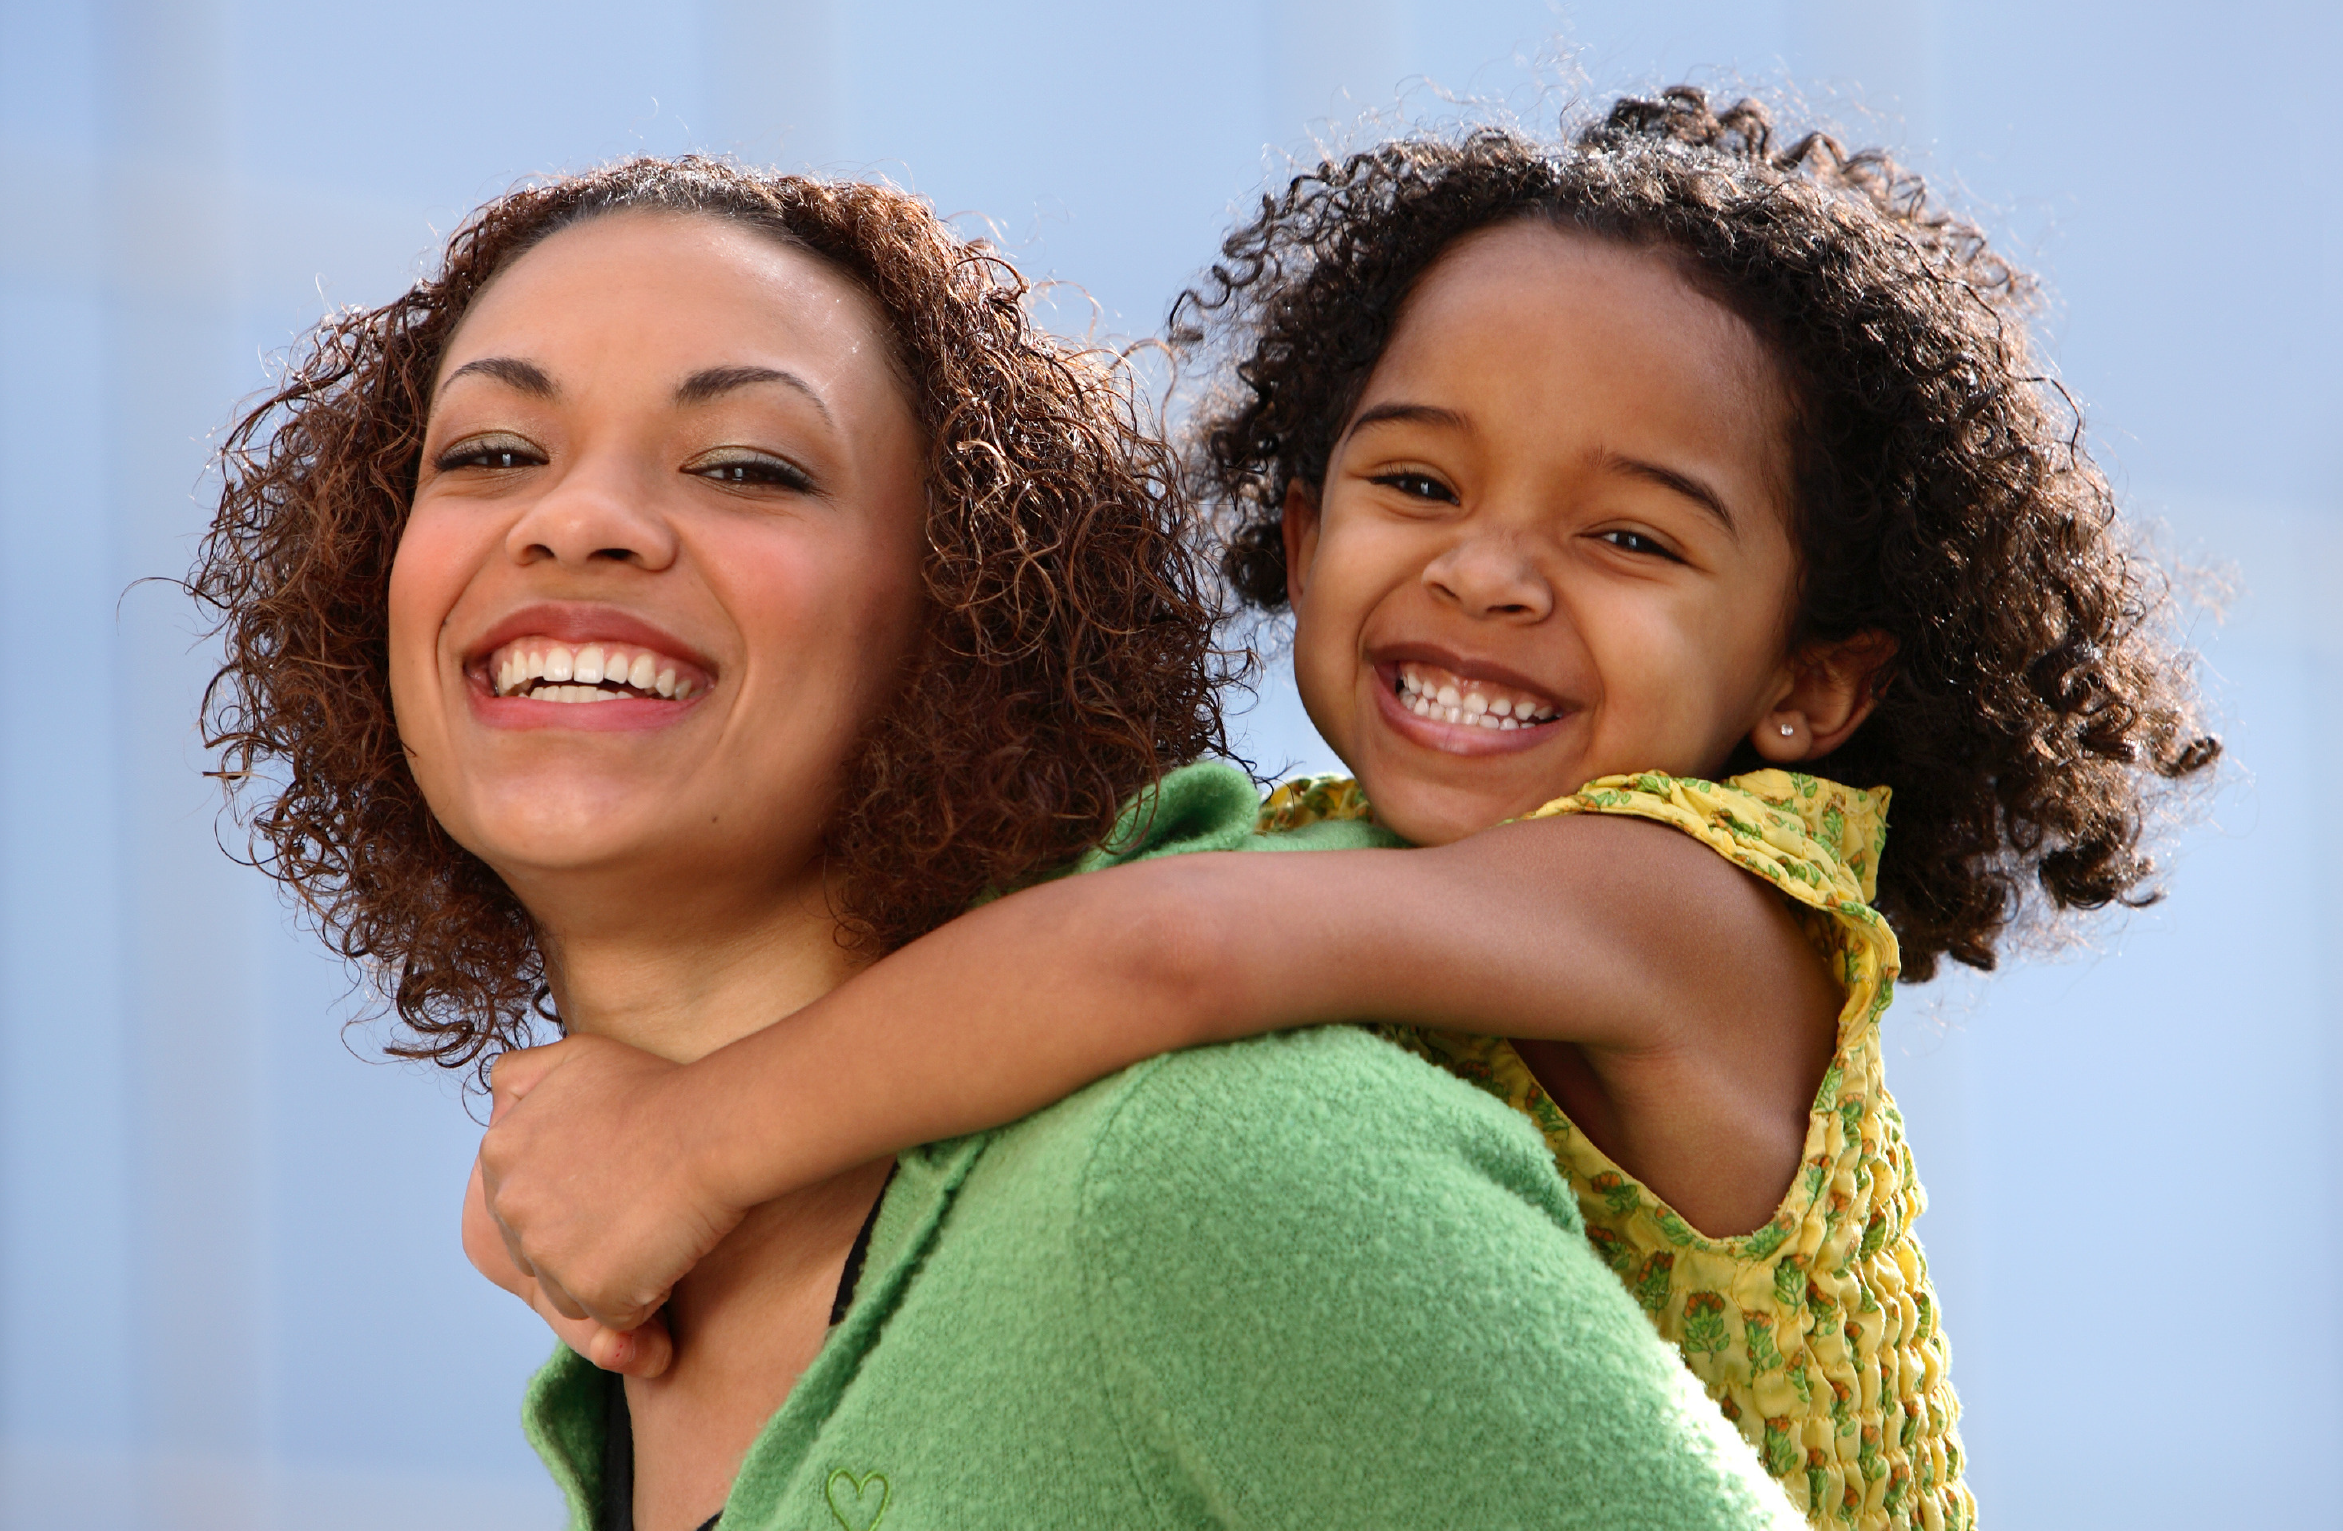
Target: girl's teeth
638 674
558 665
1452 702
588 669
665 685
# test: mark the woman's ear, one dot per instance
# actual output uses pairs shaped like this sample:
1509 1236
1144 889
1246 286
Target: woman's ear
1831 688
1299 527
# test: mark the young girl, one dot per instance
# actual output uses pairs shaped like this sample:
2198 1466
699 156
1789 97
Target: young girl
1608 484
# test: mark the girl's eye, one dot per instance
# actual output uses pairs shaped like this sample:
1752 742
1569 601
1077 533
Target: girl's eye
753 470
1417 486
493 453
1637 542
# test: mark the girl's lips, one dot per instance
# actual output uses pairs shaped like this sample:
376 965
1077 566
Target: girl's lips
1457 738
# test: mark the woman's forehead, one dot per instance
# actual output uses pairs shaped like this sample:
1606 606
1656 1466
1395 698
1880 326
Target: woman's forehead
645 286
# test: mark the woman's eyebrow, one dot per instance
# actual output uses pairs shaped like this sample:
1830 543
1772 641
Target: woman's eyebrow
702 386
527 376
1682 483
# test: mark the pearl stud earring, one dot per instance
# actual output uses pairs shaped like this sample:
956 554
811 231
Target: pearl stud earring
1789 730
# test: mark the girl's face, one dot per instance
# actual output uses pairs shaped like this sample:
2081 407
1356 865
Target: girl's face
1553 542
663 564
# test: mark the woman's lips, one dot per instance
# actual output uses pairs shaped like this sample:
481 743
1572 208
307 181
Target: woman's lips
536 681
550 669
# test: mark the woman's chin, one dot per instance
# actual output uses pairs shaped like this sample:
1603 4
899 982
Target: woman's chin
547 832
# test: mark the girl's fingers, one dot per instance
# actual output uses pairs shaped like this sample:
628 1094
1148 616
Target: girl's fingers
642 1352
516 1073
560 1300
485 1243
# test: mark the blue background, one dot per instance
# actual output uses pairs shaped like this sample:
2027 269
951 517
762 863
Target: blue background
230 1291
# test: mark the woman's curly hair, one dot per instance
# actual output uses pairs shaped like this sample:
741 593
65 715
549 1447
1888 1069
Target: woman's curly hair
1942 493
1068 658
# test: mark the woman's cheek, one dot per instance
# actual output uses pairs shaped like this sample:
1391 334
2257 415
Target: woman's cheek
425 581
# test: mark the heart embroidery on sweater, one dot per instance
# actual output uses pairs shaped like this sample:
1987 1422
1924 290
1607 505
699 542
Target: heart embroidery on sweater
858 1504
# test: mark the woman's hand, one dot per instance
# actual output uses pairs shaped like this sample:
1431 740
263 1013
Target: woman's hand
587 1176
642 1352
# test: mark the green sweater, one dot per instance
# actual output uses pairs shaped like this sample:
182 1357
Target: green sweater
1304 1280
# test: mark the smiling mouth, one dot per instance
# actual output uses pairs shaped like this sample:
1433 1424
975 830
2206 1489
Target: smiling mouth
549 670
1443 696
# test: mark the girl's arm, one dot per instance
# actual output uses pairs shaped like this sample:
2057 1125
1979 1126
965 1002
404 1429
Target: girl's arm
610 1173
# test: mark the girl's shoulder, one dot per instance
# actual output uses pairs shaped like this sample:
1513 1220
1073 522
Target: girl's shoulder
1307 800
1818 842
1816 839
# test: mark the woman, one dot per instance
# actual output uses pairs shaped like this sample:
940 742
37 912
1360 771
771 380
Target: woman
707 580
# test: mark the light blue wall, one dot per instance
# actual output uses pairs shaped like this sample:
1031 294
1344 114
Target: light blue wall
230 1294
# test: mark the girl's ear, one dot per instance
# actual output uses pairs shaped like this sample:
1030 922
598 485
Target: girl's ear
1832 688
1299 527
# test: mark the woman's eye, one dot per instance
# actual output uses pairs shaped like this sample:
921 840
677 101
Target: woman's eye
503 452
1637 542
757 471
1418 486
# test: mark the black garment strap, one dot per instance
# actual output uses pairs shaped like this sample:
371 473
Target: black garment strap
851 1277
618 1460
618 1437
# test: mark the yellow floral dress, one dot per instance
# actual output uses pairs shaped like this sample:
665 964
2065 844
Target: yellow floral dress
1818 1333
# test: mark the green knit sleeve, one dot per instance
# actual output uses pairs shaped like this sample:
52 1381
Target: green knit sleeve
1330 1286
1208 806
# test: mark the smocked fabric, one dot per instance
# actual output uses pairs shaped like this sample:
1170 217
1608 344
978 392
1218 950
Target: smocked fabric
1818 1334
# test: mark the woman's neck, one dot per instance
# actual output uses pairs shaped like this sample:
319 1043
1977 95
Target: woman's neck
682 975
747 1322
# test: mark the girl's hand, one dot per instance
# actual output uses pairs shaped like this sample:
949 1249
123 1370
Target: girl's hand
587 1174
642 1352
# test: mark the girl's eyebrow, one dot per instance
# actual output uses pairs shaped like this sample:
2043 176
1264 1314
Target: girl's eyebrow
1682 483
1416 414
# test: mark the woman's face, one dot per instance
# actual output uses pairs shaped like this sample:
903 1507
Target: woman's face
663 565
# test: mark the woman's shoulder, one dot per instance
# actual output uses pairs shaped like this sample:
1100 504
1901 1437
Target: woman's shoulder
1211 805
1315 1238
1293 1109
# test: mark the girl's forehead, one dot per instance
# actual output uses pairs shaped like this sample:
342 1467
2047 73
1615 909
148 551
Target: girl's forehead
1636 296
1543 329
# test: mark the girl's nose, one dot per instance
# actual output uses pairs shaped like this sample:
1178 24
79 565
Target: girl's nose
596 513
1490 577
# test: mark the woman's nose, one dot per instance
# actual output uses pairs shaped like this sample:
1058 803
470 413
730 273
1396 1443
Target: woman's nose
595 513
1490 577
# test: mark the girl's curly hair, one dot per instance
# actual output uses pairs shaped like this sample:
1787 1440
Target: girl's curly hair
1068 658
1942 492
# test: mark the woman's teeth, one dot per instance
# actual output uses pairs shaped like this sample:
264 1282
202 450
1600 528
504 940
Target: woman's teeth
545 671
1446 698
